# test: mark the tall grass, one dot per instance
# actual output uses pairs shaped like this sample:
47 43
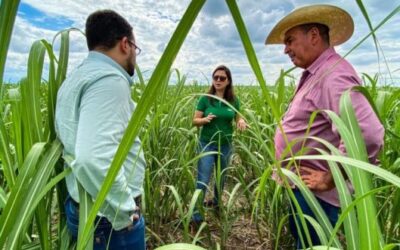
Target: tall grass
8 11
32 188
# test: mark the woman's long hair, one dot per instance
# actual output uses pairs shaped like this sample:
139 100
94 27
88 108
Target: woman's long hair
229 94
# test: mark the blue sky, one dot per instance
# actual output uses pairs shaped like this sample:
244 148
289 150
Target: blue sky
39 18
213 39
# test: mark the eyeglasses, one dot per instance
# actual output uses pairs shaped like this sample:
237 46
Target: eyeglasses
219 78
137 49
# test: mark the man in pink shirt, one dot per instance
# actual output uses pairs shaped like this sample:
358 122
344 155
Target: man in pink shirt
309 34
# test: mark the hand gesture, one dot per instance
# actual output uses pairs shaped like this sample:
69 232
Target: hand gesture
241 124
209 118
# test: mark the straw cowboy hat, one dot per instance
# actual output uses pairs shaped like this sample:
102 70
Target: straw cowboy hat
340 23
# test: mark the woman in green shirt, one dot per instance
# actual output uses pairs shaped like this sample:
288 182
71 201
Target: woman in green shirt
215 117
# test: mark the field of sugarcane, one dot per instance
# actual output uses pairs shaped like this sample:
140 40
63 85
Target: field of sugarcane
255 210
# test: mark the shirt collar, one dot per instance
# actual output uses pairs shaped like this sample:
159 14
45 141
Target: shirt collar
106 59
320 60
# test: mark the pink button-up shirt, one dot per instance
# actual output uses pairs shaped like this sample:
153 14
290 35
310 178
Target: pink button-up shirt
320 88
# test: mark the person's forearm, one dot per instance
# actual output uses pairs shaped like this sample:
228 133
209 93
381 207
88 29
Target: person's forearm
199 121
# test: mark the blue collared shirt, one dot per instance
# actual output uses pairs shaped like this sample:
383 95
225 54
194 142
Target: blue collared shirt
94 107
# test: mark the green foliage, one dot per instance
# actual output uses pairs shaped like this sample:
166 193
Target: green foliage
8 12
32 188
180 246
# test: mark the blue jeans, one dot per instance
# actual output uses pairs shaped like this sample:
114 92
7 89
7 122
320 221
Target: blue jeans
331 211
105 237
205 168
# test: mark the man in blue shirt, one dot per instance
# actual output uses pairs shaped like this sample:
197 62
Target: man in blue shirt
94 107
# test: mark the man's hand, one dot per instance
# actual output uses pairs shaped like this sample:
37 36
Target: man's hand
135 217
317 180
136 214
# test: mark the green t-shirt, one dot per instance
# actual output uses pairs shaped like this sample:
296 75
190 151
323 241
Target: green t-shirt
221 125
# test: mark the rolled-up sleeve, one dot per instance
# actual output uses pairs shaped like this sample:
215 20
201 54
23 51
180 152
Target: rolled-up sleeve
103 117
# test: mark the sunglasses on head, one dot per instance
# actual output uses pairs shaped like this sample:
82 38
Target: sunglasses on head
219 78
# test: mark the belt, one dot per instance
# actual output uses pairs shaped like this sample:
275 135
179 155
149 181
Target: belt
137 199
105 220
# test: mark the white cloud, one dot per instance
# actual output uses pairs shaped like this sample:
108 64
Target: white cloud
213 38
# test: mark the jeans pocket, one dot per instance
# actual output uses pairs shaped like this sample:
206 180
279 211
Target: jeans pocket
131 237
135 225
72 214
100 240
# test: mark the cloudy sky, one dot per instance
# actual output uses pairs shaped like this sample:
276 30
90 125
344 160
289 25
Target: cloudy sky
213 39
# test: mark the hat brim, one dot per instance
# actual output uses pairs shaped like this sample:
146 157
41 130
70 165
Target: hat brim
340 23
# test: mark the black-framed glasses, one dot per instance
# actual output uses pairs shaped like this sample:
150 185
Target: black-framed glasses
219 78
137 49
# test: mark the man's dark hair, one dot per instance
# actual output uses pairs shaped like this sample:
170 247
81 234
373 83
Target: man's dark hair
104 28
322 28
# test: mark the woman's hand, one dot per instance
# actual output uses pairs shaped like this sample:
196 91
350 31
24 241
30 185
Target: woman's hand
208 118
199 120
241 124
